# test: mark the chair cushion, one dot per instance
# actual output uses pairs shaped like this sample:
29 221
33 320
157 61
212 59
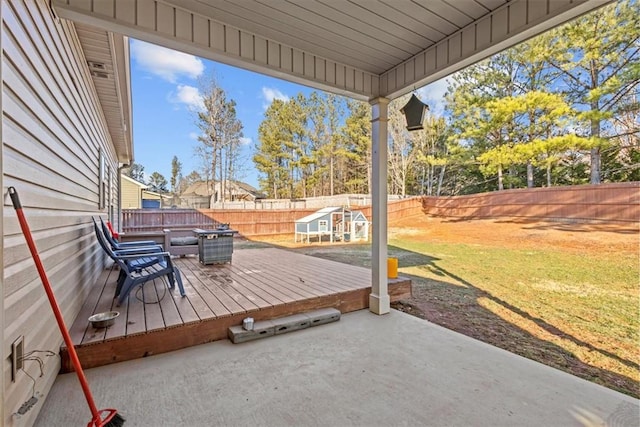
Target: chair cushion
184 241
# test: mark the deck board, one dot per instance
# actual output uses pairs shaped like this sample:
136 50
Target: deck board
263 283
217 301
170 314
78 330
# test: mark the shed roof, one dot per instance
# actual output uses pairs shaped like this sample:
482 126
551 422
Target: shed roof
319 214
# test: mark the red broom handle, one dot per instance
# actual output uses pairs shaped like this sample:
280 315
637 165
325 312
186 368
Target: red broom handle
54 305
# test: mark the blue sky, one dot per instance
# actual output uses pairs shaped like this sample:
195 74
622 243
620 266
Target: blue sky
165 97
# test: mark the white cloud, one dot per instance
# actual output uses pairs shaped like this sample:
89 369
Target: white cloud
433 94
245 141
270 94
188 95
165 63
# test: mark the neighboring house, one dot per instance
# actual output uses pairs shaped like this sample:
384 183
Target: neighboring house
131 193
153 200
233 191
196 196
204 194
66 120
335 223
135 195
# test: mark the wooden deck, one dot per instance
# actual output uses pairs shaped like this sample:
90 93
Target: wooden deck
259 283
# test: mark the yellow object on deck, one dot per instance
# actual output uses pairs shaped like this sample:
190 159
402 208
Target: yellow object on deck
392 268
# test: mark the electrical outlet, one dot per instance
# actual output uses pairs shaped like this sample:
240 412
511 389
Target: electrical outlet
17 354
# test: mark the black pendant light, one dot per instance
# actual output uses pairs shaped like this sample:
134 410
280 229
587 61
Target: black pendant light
414 113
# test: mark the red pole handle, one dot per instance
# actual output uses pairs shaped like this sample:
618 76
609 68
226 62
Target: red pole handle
54 305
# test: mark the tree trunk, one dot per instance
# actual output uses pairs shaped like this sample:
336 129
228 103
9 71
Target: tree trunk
529 174
275 188
549 175
331 175
595 166
595 152
500 183
440 180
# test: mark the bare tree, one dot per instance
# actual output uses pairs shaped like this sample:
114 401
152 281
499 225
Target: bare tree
221 132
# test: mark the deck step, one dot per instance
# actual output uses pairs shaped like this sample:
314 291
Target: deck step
282 325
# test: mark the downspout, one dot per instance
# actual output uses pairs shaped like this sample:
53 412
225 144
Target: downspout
119 207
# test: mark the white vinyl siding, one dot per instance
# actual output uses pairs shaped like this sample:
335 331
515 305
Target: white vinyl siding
53 131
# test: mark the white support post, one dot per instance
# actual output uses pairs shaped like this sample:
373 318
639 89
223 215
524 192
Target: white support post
379 301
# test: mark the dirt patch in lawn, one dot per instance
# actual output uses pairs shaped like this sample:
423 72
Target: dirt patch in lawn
441 298
519 234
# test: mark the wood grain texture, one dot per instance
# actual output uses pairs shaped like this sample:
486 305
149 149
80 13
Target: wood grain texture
261 283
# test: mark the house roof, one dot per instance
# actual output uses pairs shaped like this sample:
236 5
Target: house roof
248 189
155 194
133 181
360 48
200 188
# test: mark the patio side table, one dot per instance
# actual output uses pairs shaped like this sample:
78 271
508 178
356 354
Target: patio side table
215 246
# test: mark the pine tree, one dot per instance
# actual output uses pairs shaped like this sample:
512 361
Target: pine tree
357 137
176 172
597 56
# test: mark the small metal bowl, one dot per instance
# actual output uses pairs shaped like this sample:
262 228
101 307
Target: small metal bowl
103 320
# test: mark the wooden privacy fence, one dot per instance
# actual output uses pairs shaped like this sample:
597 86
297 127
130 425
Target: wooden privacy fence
259 222
252 222
618 202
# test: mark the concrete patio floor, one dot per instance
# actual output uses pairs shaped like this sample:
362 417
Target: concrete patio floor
363 370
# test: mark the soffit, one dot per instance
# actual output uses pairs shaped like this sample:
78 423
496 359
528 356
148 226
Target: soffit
370 35
107 56
358 48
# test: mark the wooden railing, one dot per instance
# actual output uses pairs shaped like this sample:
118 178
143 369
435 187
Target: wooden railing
145 220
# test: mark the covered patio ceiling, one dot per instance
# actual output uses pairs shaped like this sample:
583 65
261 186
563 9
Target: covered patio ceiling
359 48
372 50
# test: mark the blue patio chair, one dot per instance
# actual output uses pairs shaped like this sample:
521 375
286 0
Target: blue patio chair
138 266
125 245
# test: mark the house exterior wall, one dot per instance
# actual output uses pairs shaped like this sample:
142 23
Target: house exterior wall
56 151
131 195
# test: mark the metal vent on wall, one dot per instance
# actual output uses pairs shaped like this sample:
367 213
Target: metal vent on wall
98 69
100 74
96 65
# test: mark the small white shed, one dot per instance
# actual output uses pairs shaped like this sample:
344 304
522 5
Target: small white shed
339 224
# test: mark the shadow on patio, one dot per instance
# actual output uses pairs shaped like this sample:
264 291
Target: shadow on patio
457 304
